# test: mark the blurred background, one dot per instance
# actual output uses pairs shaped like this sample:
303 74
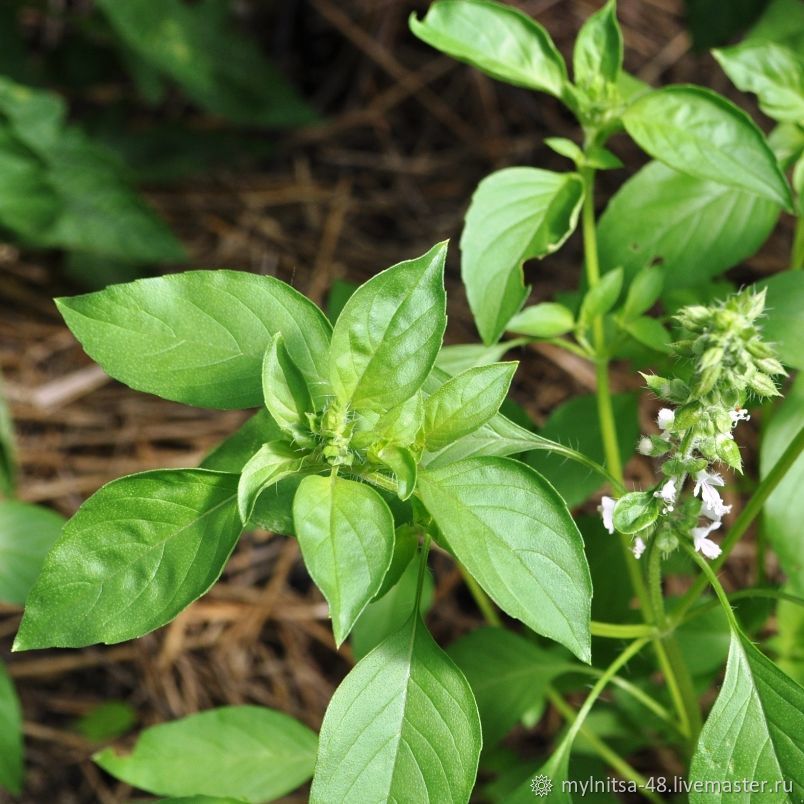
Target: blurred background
313 140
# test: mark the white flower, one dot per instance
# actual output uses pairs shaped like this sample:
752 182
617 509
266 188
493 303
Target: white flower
739 415
668 494
606 509
645 446
665 418
705 483
638 547
704 545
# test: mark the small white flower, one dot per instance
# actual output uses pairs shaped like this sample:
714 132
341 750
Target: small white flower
739 415
645 446
665 418
638 547
703 544
705 483
715 514
606 509
668 494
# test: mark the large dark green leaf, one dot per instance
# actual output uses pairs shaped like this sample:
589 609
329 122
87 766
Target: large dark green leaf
346 534
753 731
134 555
783 324
698 132
27 532
11 771
497 39
248 752
199 337
693 228
513 532
403 726
388 334
516 214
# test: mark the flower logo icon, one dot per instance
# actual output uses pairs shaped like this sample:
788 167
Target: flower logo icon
541 785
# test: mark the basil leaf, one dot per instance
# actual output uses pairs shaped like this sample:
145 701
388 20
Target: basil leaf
516 214
699 132
499 40
636 511
402 463
284 388
464 403
11 749
508 676
232 454
402 726
106 721
754 729
27 532
783 324
455 359
387 614
783 511
199 337
545 320
401 424
649 332
695 228
248 752
643 292
598 52
513 532
270 464
132 557
273 510
8 462
602 297
346 534
391 326
774 73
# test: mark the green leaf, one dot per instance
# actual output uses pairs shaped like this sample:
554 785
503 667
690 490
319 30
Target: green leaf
387 614
270 464
544 320
107 721
598 52
649 332
285 390
699 132
248 752
771 71
643 292
516 214
196 45
603 296
695 228
753 731
575 424
346 534
455 359
8 461
401 424
200 337
232 454
507 525
402 462
402 726
781 21
499 40
11 750
508 675
27 532
464 403
636 511
783 324
783 512
132 557
391 327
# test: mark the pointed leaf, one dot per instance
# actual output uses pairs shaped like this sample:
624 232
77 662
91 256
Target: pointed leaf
544 320
516 214
346 534
753 731
511 530
699 132
248 752
402 726
270 464
284 388
199 337
465 403
234 452
497 39
598 52
388 335
402 463
132 557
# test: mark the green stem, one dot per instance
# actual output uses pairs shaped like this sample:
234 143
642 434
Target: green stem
709 575
797 253
744 520
484 602
422 569
624 631
741 595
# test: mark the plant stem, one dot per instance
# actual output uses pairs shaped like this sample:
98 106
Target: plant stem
709 575
622 631
741 595
483 601
744 520
797 253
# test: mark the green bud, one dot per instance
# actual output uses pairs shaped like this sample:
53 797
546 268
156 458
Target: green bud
762 385
728 452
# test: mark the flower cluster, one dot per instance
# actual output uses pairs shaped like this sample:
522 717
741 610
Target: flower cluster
722 362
